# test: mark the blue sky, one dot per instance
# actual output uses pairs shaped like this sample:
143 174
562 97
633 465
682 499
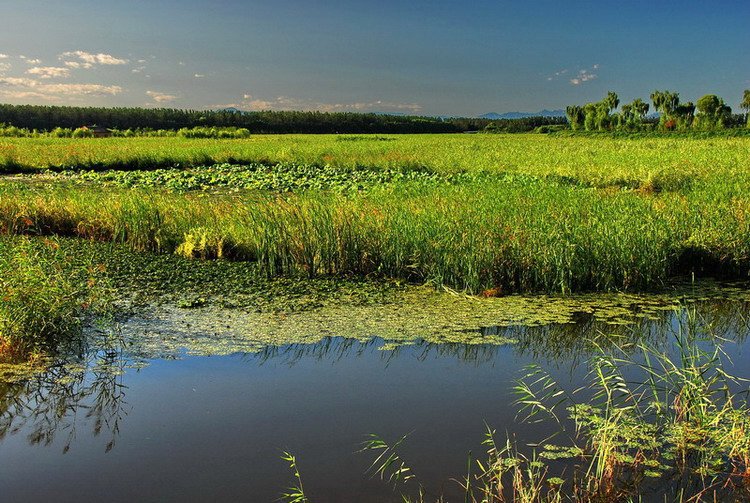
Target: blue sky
424 57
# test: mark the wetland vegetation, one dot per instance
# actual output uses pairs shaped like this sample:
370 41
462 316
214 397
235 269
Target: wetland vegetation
589 252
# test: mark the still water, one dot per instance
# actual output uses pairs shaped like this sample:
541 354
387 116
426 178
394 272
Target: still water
124 425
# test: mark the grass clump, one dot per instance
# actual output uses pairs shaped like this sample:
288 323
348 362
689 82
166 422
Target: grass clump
44 298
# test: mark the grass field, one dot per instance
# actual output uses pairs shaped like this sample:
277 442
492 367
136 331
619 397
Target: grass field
601 161
479 213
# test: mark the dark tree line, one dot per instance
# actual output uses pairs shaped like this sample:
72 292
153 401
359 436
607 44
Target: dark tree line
526 124
47 118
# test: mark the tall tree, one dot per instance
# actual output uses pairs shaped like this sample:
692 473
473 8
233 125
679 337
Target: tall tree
712 111
745 105
575 115
612 101
640 108
666 103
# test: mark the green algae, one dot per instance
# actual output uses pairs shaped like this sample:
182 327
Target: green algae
415 314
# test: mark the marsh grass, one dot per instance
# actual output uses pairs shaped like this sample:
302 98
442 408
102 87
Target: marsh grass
44 298
501 236
491 215
652 415
596 161
296 492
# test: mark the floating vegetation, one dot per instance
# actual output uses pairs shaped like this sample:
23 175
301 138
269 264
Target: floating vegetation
410 315
283 177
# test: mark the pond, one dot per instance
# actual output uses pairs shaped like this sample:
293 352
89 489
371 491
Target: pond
199 404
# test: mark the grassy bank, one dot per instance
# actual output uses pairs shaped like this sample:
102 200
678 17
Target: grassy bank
507 235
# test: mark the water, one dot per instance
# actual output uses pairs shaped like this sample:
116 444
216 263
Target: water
198 428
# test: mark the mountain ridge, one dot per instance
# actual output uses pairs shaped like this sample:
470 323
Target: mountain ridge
521 115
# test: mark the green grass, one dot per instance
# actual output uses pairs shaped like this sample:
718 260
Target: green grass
509 235
475 213
597 161
45 297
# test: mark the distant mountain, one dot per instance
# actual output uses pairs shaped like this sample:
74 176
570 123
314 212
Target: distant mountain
520 115
231 109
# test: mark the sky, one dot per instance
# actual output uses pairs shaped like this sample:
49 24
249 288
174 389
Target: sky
423 57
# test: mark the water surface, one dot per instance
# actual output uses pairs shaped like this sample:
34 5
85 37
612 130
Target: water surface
131 419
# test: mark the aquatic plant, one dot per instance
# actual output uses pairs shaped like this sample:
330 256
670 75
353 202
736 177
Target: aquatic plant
295 493
649 414
668 422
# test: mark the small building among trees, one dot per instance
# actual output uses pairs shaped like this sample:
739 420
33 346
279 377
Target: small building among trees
98 131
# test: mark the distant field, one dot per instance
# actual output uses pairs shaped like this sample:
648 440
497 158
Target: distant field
493 213
599 161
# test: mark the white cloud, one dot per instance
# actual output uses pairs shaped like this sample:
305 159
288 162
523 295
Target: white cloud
4 56
81 89
4 67
76 64
181 63
584 75
199 75
24 95
87 59
555 75
282 103
39 89
18 82
161 97
138 69
49 72
33 61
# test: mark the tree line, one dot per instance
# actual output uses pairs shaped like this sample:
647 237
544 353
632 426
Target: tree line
709 113
143 120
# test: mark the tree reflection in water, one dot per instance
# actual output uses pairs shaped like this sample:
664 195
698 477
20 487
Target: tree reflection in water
53 405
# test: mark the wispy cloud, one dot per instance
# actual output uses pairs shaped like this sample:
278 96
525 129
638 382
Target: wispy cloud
81 89
33 61
557 74
584 75
283 103
18 81
4 56
49 72
4 67
25 95
25 87
161 97
82 59
199 75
